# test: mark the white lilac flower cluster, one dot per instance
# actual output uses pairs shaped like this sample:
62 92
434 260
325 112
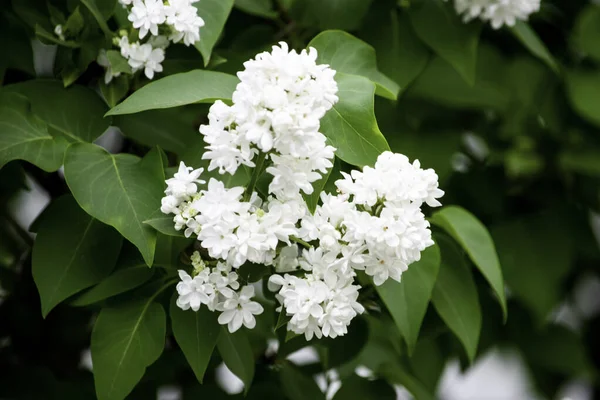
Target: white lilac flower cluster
276 110
373 224
216 288
166 22
497 12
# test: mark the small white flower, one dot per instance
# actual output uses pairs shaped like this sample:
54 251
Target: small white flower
146 15
183 18
192 292
240 310
497 12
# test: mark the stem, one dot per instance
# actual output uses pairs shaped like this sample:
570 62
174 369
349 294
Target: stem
258 170
300 241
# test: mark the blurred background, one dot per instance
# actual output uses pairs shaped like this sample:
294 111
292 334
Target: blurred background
520 149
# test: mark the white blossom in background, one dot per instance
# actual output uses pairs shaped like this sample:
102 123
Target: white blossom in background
58 31
102 60
161 23
497 12
374 223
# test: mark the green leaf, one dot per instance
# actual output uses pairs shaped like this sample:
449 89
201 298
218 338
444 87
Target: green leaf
118 63
582 161
536 254
215 14
359 388
351 126
349 55
582 91
474 237
125 341
400 53
438 25
259 8
167 128
99 15
237 354
197 86
455 297
131 271
76 112
163 224
530 39
587 31
197 334
120 190
407 300
298 386
115 90
72 251
23 136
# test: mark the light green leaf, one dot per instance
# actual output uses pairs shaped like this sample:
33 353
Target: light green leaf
530 39
163 224
165 128
76 112
197 86
455 297
349 55
583 161
438 25
131 272
298 386
400 53
23 136
75 23
215 14
125 341
115 90
587 31
474 237
72 251
582 90
350 126
260 8
407 300
197 334
237 354
120 190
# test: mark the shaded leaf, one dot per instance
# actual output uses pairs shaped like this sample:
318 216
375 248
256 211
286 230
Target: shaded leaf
23 136
298 386
455 297
438 25
237 354
407 300
76 112
582 91
530 39
125 341
197 334
72 251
